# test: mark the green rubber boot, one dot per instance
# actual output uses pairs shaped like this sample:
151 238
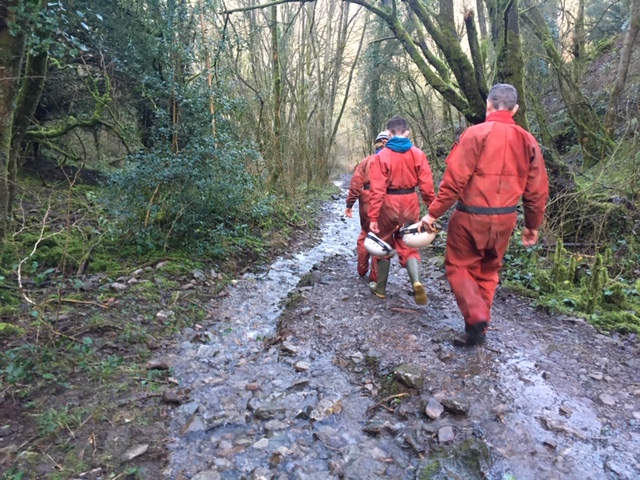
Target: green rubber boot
413 268
379 288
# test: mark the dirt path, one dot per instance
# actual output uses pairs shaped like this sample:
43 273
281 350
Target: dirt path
302 374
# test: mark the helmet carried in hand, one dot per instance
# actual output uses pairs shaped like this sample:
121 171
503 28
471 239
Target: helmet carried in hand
377 247
414 238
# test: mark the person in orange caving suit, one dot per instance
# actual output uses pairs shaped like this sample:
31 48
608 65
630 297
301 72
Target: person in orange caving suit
359 191
395 172
490 168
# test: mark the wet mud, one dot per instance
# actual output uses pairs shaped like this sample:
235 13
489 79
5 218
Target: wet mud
301 373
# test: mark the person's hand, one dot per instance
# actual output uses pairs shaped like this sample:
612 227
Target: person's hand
427 224
529 237
373 226
348 213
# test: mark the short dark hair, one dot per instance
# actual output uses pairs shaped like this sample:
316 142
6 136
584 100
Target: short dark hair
397 125
503 96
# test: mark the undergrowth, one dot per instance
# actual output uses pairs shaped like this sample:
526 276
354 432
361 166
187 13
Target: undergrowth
600 286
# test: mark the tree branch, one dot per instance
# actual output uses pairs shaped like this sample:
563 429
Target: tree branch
476 54
263 5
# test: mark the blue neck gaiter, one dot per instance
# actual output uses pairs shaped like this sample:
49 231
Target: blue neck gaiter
399 144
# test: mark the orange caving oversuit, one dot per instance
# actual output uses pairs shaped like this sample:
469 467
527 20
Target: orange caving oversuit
359 190
489 169
394 203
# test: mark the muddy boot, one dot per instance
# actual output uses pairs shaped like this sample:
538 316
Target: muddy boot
474 335
413 267
379 288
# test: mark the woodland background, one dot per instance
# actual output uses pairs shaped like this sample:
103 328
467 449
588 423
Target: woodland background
204 131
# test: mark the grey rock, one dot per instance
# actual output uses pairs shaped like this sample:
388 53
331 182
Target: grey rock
305 413
411 376
261 473
268 411
446 434
165 314
275 425
194 424
157 365
455 405
119 287
160 265
190 408
357 357
566 410
607 399
290 347
138 273
325 408
374 426
134 452
302 366
434 409
198 275
261 444
206 475
171 397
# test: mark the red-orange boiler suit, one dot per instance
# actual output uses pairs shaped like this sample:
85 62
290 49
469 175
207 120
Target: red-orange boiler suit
394 203
359 191
489 169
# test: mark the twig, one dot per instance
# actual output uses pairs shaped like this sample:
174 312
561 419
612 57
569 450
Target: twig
385 400
70 300
137 398
175 300
41 237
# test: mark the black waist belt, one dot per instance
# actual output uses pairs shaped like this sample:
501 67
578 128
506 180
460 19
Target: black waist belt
367 187
485 210
400 191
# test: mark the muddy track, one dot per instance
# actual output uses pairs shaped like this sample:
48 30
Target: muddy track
300 373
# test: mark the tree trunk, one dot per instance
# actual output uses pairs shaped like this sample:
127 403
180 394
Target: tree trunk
207 60
623 65
35 73
476 54
482 19
277 97
579 38
508 45
12 47
594 139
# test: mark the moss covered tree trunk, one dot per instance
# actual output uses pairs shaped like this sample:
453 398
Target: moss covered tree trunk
12 46
593 137
28 97
505 34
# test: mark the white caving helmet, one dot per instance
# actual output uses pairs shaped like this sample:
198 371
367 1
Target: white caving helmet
377 247
414 238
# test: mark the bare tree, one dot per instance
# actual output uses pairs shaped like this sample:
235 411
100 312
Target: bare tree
623 66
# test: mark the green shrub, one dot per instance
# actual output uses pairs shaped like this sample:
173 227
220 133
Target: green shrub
201 198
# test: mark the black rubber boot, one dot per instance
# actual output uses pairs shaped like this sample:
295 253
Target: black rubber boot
413 268
379 288
474 335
